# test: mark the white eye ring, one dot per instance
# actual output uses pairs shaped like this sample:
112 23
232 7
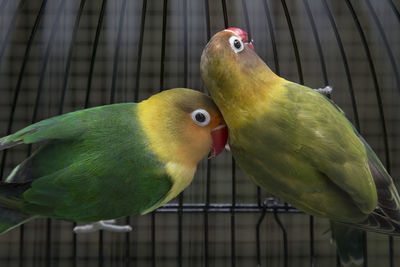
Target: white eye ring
201 117
236 44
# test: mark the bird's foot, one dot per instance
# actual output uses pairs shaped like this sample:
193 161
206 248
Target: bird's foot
108 225
327 90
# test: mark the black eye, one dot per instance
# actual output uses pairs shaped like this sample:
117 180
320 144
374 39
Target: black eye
237 44
200 117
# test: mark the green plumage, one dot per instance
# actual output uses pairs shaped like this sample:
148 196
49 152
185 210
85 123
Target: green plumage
294 152
95 165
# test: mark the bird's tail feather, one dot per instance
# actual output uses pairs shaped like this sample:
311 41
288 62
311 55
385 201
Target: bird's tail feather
5 142
9 219
10 203
349 244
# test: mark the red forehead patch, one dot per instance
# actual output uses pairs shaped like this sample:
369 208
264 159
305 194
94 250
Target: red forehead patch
239 32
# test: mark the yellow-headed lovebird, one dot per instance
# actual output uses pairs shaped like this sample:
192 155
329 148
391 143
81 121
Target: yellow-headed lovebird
294 142
111 161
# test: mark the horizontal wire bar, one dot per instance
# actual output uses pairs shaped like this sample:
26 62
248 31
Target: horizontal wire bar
225 208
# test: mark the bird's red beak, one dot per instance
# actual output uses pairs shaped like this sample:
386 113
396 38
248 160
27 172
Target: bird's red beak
219 137
242 35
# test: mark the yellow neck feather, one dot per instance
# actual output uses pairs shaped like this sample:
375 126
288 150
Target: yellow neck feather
246 96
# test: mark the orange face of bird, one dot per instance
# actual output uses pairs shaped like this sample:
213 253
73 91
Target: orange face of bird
183 125
214 124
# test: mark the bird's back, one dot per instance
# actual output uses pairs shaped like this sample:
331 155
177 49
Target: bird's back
105 171
301 149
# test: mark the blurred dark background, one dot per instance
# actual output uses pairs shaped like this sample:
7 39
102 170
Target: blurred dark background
58 56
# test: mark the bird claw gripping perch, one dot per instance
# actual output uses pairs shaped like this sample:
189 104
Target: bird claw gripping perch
327 90
102 225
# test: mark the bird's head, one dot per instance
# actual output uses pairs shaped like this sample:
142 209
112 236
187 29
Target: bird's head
227 56
232 71
183 125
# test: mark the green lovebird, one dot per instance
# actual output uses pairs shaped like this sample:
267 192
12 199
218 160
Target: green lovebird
111 161
294 142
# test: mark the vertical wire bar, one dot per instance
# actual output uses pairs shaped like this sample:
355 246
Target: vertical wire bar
225 12
284 237
207 205
70 53
258 241
272 36
246 18
100 252
163 42
94 51
48 242
294 42
140 49
127 244
21 246
311 230
233 239
208 27
116 53
153 240
396 12
391 252
74 248
365 249
185 83
208 178
185 47
10 28
317 41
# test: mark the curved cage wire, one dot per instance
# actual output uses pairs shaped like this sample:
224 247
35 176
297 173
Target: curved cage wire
58 56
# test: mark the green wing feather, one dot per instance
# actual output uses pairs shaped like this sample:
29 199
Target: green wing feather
95 165
386 219
318 168
335 151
